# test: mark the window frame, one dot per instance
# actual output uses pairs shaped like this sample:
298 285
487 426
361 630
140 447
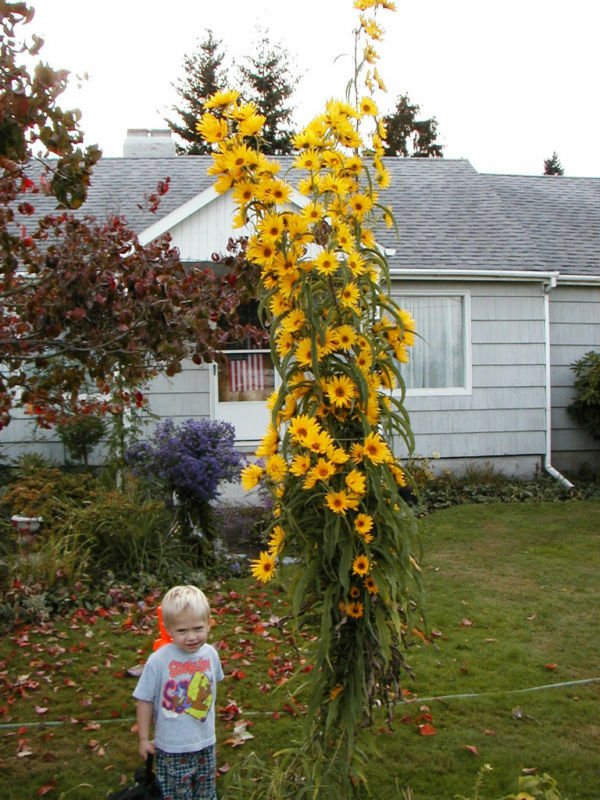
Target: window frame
465 297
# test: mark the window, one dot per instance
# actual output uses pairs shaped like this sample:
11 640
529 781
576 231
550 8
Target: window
440 359
248 375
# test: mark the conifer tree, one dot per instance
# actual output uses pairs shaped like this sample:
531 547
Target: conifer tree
203 75
552 165
409 136
267 80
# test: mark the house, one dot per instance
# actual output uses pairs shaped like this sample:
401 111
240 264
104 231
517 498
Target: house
501 272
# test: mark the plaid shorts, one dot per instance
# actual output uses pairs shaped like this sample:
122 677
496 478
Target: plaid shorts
187 776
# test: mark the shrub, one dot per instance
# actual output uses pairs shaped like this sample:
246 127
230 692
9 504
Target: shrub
80 434
189 462
40 489
585 408
123 533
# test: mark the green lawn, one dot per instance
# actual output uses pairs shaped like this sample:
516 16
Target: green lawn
504 677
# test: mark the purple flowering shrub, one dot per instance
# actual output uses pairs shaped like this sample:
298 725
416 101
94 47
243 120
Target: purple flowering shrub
188 461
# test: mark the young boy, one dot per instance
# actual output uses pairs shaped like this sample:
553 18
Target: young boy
177 690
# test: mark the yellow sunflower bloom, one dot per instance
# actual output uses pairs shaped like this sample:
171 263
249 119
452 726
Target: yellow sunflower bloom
326 262
360 204
260 252
323 470
302 426
250 476
371 586
300 464
376 450
279 305
294 320
211 128
350 296
356 263
271 226
363 524
243 193
346 336
340 502
303 352
263 567
360 565
309 159
364 360
284 342
341 391
221 99
398 474
318 442
357 452
368 107
355 609
276 467
268 445
251 125
337 455
238 157
356 481
276 540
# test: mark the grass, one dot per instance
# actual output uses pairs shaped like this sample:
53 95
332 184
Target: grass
511 601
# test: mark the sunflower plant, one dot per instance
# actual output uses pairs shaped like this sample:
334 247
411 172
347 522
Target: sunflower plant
337 340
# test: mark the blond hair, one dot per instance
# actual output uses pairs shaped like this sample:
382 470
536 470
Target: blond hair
181 599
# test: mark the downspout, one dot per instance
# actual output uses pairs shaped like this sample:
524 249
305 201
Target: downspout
551 284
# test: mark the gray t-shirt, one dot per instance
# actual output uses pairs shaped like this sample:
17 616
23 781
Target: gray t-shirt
183 689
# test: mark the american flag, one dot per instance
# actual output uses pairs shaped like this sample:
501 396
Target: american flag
246 372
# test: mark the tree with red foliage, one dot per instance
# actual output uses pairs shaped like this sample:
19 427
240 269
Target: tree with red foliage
87 314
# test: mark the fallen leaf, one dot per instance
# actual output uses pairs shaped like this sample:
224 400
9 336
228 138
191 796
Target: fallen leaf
550 666
240 734
40 709
427 729
471 748
47 787
466 623
529 770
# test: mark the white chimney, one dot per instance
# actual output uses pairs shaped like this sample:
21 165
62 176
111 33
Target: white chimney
148 143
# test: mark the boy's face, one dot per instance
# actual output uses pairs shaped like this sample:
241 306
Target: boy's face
189 632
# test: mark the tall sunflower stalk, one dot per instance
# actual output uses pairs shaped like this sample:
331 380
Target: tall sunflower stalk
337 339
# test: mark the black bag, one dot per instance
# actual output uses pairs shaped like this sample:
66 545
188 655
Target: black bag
144 788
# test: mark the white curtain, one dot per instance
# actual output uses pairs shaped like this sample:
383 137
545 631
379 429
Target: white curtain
437 360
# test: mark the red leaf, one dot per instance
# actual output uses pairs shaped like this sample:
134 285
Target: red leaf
427 729
471 748
550 666
47 787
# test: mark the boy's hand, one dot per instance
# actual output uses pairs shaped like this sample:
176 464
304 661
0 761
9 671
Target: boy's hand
146 748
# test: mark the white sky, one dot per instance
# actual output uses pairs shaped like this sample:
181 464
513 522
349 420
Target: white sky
509 81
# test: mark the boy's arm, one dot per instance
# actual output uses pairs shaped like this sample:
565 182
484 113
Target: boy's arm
144 711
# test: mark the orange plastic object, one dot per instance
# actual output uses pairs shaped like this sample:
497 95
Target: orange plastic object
164 636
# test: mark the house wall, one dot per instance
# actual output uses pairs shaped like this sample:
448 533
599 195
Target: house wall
207 230
502 419
574 331
186 395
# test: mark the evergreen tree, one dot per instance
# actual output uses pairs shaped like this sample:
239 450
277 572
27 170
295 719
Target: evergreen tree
408 136
268 81
203 76
552 165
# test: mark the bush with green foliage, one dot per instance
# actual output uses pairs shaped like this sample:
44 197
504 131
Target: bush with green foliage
80 434
39 488
585 408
